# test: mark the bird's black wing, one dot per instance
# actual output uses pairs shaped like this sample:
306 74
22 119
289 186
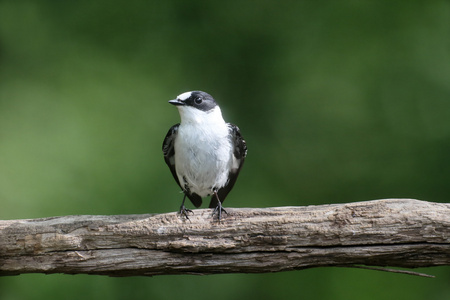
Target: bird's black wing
168 149
239 153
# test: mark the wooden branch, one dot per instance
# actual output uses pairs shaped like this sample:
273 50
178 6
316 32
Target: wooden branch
391 232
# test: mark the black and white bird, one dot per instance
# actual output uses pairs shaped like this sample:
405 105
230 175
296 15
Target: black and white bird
204 154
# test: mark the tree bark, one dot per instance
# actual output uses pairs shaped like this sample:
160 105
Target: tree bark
391 232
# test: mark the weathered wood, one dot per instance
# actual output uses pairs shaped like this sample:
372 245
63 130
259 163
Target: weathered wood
391 232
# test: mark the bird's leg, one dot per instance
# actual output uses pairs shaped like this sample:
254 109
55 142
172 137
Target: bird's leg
219 208
183 210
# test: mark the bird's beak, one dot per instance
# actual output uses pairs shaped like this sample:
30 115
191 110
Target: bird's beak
177 102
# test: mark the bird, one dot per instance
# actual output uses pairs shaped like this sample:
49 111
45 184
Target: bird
203 152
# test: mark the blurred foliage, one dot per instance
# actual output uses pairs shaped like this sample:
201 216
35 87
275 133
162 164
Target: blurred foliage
339 101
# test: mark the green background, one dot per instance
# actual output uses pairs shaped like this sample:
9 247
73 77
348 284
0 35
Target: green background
339 101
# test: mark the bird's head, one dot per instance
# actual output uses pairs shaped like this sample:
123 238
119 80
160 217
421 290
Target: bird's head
197 106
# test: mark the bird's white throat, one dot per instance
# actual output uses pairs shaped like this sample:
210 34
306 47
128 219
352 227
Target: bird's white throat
191 115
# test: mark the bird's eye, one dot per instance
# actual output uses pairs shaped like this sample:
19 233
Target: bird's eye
198 100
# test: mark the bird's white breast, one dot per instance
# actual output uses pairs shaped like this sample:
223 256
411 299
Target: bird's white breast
203 150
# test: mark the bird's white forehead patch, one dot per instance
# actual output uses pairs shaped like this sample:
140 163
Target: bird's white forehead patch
184 96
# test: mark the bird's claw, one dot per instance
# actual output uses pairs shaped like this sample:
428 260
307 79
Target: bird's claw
218 210
184 212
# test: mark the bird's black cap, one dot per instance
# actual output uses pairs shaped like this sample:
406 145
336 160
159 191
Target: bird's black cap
198 99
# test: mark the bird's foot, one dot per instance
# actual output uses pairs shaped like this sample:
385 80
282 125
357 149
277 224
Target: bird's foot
184 212
218 210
